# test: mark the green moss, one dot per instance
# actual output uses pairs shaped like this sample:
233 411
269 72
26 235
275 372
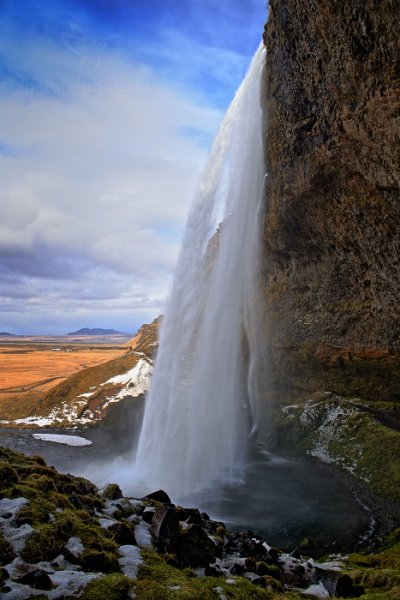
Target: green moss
110 587
8 475
156 578
378 573
35 513
42 483
354 440
112 492
48 540
99 560
43 544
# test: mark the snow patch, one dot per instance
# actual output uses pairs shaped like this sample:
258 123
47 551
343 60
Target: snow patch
143 535
317 589
136 380
75 546
17 536
69 582
11 506
69 440
130 560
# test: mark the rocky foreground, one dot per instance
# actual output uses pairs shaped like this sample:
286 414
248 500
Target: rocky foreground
60 537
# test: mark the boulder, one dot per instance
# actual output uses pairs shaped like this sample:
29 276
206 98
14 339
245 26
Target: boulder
159 496
346 589
37 579
112 492
123 533
195 547
165 527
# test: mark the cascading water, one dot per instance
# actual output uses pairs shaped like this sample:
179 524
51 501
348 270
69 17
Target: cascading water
203 398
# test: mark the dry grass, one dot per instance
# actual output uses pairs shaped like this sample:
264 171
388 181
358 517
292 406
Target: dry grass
29 369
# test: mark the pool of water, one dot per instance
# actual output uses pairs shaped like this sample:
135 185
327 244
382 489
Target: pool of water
286 501
282 500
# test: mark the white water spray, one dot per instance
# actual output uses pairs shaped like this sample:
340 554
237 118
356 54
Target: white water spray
203 393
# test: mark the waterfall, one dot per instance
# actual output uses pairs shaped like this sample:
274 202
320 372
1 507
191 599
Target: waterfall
203 398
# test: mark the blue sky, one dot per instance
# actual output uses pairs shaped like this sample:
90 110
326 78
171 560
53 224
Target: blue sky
108 108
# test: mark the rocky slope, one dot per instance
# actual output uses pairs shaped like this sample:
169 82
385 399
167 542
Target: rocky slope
332 236
85 397
61 538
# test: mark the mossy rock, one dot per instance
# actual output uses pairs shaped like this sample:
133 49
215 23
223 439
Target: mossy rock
8 475
44 544
353 439
195 548
34 513
110 587
158 580
99 560
112 492
48 540
263 568
43 483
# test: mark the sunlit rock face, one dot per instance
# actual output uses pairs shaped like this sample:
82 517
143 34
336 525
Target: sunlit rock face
332 236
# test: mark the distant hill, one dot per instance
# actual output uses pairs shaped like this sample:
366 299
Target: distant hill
6 334
96 331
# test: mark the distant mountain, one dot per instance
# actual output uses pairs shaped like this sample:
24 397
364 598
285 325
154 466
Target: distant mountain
6 334
96 331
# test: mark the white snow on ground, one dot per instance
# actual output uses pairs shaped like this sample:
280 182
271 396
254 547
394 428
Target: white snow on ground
317 590
106 523
138 376
60 414
75 546
143 535
69 582
11 505
135 382
69 440
130 560
20 592
16 536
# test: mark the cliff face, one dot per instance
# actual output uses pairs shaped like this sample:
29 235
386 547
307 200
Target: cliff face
332 231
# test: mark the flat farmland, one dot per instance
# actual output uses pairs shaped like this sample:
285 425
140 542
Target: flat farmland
30 367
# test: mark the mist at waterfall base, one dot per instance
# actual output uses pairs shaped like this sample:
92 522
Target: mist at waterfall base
198 435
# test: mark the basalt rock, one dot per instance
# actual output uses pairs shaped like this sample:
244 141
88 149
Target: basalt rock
159 496
331 258
37 579
165 528
195 547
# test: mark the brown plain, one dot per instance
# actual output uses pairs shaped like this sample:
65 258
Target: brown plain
30 367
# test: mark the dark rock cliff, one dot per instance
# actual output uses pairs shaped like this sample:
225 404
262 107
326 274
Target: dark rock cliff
332 230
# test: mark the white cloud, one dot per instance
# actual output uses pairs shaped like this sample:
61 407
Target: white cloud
98 169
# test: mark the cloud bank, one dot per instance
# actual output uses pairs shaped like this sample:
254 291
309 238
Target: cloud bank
99 158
